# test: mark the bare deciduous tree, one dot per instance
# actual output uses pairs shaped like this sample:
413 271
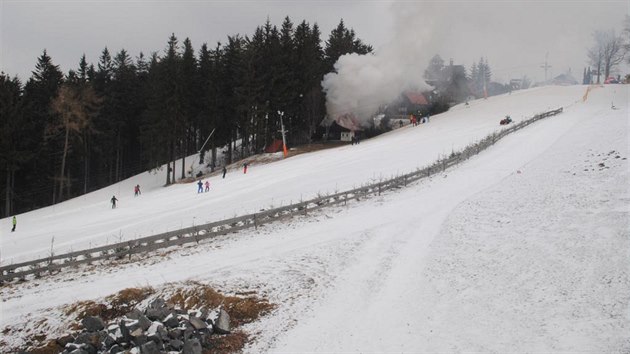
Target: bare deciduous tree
75 106
626 36
607 52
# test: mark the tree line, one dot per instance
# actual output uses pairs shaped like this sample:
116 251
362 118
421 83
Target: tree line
66 134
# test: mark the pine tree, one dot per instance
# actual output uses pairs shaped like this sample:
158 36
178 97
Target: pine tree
342 41
230 80
154 134
39 92
83 69
206 116
14 132
309 70
190 101
435 70
474 73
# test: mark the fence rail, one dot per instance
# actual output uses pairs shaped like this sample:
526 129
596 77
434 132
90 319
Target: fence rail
54 263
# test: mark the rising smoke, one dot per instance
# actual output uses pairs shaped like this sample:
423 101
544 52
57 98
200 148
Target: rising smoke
513 35
363 83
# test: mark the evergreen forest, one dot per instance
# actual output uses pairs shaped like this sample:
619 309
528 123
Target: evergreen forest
66 134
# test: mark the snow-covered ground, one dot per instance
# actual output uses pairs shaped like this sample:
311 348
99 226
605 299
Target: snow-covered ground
88 221
523 248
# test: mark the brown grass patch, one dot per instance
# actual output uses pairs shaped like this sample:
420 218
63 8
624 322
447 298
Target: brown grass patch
241 309
120 304
126 299
51 347
231 343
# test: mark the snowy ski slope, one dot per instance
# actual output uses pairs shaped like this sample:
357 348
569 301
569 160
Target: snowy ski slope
88 221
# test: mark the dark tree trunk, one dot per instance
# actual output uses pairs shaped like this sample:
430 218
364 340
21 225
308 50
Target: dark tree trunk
185 151
173 159
86 165
8 200
229 154
117 171
63 164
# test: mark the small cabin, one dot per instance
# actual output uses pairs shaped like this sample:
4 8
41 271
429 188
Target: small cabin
347 136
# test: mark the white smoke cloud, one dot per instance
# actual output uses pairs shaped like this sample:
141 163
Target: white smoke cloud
513 35
363 83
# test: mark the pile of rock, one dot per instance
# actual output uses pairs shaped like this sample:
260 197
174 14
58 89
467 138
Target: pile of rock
159 328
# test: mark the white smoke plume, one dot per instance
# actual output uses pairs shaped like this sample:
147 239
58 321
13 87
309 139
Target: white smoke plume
363 83
513 35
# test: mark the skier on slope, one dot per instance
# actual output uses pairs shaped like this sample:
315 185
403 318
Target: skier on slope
14 223
224 171
114 200
207 186
200 185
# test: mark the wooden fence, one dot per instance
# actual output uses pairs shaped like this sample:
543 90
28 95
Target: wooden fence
54 263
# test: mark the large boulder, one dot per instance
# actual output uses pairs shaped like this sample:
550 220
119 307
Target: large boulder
222 323
109 340
175 333
92 338
134 314
125 332
176 344
192 346
157 303
197 323
93 323
144 322
115 349
62 341
157 310
149 348
157 314
171 321
79 351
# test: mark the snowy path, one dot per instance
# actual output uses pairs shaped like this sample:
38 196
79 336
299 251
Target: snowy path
508 270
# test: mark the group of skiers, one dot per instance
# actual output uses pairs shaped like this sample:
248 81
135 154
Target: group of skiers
136 192
200 184
413 120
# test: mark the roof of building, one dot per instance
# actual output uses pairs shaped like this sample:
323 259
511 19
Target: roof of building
416 98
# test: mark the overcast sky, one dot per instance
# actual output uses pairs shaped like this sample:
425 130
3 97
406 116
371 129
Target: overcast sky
513 35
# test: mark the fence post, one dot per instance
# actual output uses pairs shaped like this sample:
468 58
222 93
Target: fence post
255 223
379 189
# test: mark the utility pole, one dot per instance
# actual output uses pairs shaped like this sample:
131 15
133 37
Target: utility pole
284 140
546 66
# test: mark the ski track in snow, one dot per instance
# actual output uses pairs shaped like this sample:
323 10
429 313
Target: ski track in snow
478 258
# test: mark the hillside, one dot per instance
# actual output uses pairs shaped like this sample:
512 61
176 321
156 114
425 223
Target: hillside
88 221
521 248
